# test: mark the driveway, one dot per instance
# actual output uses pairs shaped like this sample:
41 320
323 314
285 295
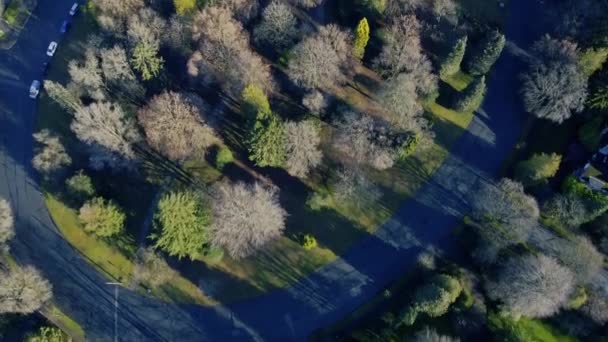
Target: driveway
290 314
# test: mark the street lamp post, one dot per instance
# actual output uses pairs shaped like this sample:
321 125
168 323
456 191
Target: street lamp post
116 285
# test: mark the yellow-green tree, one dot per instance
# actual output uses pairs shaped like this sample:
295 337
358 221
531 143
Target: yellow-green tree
361 38
183 7
538 168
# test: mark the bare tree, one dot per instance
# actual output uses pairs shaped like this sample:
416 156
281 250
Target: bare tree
66 97
119 8
243 10
106 125
364 141
402 49
279 26
579 254
315 102
7 220
115 64
532 286
113 14
555 86
87 75
178 34
150 268
146 27
245 217
400 95
224 52
52 156
319 59
505 215
352 186
440 9
302 147
431 335
174 126
567 210
307 3
23 290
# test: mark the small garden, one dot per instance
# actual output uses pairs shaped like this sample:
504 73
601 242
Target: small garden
193 181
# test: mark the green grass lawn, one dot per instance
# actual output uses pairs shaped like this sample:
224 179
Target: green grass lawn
104 257
526 329
458 81
64 322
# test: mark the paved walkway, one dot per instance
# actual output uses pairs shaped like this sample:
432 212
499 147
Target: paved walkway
290 314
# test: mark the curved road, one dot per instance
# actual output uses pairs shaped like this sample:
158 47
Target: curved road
290 314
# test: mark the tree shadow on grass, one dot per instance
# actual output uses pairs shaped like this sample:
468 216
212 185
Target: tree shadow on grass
215 283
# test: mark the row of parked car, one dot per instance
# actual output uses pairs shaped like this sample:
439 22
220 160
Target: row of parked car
50 51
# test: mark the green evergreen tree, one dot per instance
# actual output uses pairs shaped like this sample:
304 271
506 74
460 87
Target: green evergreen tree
451 64
267 142
361 38
146 60
182 219
538 168
599 99
485 54
471 98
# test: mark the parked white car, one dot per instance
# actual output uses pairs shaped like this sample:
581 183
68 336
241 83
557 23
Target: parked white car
50 51
74 9
34 89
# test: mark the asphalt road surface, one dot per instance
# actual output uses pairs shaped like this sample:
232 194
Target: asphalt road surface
290 314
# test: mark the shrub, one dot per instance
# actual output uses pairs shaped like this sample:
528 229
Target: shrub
102 218
451 64
485 54
471 98
224 157
80 187
434 298
309 242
